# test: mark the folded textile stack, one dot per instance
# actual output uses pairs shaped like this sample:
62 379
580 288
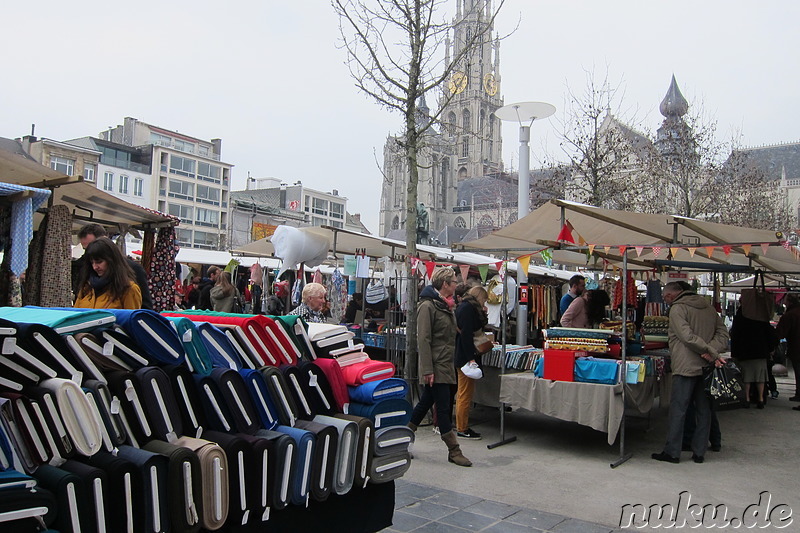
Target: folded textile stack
578 339
656 328
153 423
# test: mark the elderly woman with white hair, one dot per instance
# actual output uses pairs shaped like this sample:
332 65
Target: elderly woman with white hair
313 303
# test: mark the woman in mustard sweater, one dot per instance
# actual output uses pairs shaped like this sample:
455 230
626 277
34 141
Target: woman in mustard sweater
107 282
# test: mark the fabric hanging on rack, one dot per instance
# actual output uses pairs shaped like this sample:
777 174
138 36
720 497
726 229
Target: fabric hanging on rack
257 274
49 275
161 279
631 296
317 276
362 266
147 249
337 291
654 299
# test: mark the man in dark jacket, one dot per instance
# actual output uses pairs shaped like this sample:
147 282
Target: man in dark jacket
89 233
204 302
697 335
789 329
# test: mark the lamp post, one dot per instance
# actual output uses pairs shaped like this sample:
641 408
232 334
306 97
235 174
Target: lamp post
524 112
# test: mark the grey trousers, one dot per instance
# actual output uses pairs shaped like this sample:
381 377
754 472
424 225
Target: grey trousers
685 391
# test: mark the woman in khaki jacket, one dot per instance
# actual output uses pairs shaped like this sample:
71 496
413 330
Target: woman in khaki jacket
436 343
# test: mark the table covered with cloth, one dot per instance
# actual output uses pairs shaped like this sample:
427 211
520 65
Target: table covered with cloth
590 404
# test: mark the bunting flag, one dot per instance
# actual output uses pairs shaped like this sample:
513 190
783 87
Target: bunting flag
606 249
692 250
765 247
786 244
464 272
483 270
591 249
547 256
622 250
414 263
710 251
656 250
566 233
524 261
639 250
421 269
727 249
674 251
581 240
430 266
746 248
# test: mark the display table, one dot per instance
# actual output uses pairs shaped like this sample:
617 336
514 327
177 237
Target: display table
597 406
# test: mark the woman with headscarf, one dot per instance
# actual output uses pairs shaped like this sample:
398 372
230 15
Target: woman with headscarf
106 280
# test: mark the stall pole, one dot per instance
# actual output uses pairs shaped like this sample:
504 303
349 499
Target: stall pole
504 324
624 370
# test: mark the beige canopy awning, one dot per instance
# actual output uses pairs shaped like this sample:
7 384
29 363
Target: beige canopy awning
648 238
85 201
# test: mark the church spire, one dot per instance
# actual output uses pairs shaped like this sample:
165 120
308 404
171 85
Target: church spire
673 104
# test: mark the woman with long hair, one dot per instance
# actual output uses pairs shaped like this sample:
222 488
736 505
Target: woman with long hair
223 293
470 318
106 280
586 310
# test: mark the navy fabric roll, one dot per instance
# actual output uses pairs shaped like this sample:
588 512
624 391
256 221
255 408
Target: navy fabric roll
237 396
301 482
259 392
185 485
320 393
222 351
282 466
125 347
125 491
42 350
19 494
96 487
154 333
193 418
298 387
326 438
70 493
99 394
197 357
153 468
384 413
48 407
260 476
281 395
160 403
376 391
125 388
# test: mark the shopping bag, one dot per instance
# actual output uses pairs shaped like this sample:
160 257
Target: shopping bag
483 343
757 303
724 387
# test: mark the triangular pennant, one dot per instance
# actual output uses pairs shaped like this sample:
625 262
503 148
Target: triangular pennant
656 251
591 249
746 249
430 266
547 256
614 268
414 263
606 249
566 233
674 251
786 244
501 270
692 250
464 272
622 250
498 265
581 240
710 251
524 261
727 249
639 250
483 270
765 247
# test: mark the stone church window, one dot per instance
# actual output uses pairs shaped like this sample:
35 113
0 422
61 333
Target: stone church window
459 222
465 147
466 119
486 222
395 223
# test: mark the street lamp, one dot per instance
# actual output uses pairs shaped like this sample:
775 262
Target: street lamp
524 112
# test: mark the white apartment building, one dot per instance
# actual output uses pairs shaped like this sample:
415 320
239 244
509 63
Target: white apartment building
188 180
321 208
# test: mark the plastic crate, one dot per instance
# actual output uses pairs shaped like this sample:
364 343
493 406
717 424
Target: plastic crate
375 340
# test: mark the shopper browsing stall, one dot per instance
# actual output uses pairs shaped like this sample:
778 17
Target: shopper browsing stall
471 319
311 310
577 284
106 281
587 310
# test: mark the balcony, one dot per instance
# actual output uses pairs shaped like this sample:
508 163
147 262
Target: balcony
170 144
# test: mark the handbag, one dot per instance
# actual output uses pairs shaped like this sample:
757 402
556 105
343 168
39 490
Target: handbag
757 303
724 387
483 344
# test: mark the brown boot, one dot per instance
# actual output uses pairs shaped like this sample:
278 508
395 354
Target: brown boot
454 454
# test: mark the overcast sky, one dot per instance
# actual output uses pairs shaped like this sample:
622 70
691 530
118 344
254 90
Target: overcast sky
267 78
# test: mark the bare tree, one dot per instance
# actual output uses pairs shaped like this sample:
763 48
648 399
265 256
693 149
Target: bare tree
395 53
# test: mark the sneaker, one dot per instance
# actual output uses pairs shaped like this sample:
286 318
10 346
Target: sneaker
469 434
697 458
774 395
472 370
665 457
436 430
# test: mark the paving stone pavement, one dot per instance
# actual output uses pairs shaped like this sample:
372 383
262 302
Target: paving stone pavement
425 509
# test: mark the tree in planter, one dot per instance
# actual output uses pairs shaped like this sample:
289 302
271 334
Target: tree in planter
395 55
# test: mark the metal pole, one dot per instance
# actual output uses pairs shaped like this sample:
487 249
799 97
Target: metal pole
523 208
624 370
504 325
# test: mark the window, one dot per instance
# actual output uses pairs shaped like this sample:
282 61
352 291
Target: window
318 221
108 181
319 206
307 204
452 123
204 239
337 210
63 165
89 172
181 189
459 222
202 150
184 236
184 146
207 195
396 222
337 224
206 217
138 187
123 184
464 147
182 166
466 121
208 172
162 140
184 212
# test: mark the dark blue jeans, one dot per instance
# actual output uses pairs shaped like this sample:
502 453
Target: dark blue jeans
438 394
715 436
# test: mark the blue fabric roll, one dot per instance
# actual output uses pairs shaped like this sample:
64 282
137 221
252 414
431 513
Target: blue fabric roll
301 482
62 319
220 348
392 412
376 391
261 397
197 356
154 333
